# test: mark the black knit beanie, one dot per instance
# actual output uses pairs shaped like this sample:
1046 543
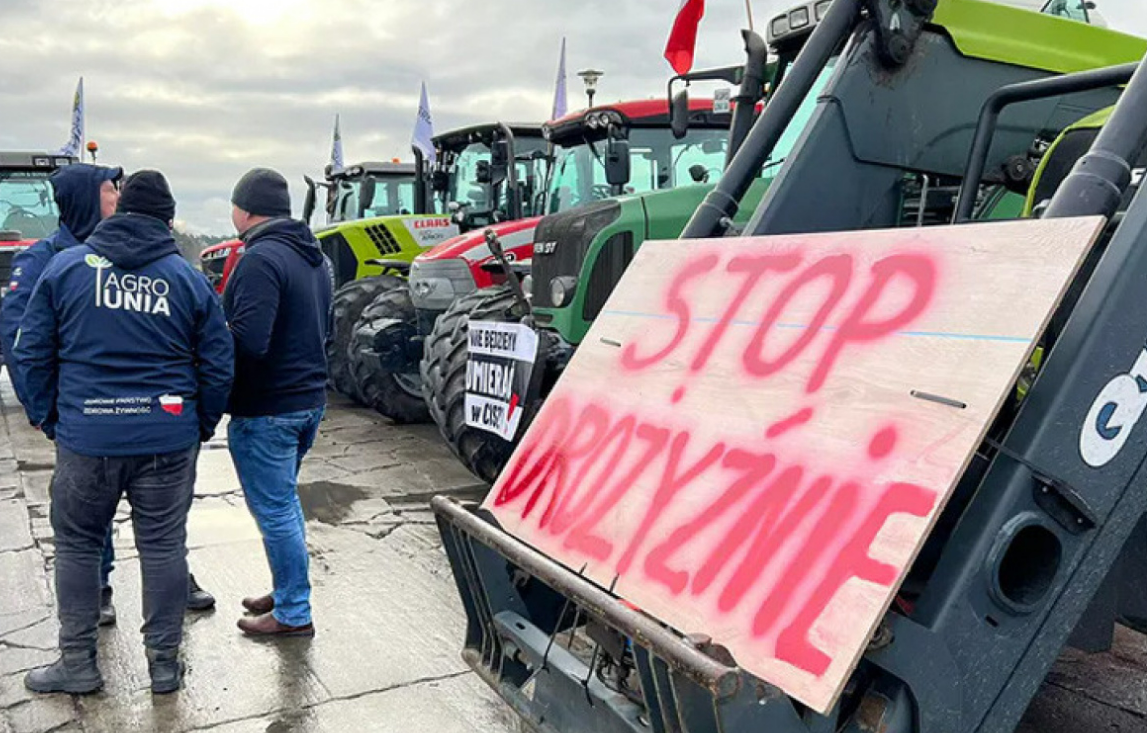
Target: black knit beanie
146 192
262 192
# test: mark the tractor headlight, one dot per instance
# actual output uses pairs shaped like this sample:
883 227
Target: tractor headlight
562 291
437 287
528 286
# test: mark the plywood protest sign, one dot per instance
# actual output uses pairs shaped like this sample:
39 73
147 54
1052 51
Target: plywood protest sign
757 435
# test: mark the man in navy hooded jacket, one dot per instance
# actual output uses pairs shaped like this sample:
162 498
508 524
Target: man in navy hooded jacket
85 195
127 363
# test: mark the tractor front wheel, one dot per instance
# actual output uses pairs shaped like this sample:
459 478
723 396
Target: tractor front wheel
384 359
349 302
444 360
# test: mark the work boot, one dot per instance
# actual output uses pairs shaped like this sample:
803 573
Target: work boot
107 608
75 673
197 598
166 670
260 605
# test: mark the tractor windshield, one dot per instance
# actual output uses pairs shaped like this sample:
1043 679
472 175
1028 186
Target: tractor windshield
372 195
470 193
27 209
657 161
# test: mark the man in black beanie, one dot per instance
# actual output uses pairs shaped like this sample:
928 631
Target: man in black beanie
278 304
127 363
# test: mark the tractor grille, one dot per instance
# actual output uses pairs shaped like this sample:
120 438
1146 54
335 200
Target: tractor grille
213 268
383 240
612 259
561 242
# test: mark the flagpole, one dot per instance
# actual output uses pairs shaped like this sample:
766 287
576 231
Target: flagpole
749 11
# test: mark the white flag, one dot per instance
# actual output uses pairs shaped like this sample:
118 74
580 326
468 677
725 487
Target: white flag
560 104
337 161
75 146
423 139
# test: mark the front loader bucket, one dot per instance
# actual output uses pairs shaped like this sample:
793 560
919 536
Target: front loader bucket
525 615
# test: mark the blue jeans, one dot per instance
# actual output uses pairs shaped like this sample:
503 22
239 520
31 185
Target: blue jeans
267 452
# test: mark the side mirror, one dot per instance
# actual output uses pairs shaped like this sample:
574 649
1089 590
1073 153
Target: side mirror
500 153
484 173
679 114
366 195
440 181
617 162
309 201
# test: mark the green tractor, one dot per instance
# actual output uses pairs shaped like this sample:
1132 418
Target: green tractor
580 255
592 155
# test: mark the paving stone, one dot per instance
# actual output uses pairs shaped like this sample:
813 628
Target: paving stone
23 586
36 486
456 705
216 474
43 713
43 635
14 659
15 531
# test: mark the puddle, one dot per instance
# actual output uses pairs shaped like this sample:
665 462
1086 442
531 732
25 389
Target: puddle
327 502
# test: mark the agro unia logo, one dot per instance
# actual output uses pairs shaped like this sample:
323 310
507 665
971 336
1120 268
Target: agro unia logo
127 291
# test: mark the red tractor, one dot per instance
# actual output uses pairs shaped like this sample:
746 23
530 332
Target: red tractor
27 207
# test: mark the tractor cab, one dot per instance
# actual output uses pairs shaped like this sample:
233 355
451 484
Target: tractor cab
365 191
27 207
488 173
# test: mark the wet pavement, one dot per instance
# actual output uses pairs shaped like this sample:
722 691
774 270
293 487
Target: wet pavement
389 625
390 628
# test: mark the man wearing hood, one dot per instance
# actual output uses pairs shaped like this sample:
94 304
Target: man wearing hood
85 195
278 304
126 362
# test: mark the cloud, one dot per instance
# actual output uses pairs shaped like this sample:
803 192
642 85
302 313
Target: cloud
205 89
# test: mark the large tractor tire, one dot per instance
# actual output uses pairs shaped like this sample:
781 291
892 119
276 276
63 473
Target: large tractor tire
444 379
349 302
384 359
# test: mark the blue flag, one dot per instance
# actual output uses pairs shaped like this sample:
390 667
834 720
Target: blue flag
337 161
75 146
561 106
423 139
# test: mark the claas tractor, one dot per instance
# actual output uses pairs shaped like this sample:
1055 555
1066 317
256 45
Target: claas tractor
930 108
591 155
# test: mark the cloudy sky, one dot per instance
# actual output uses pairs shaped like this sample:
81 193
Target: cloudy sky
204 89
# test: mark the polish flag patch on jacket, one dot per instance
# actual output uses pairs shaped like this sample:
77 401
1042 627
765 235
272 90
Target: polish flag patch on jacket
171 404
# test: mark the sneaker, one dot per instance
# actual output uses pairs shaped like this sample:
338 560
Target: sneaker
74 673
197 598
107 608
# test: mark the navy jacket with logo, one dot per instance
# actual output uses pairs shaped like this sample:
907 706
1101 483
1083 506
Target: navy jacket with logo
77 192
123 348
278 304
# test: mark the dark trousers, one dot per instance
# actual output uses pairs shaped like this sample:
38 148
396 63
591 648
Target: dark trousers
85 493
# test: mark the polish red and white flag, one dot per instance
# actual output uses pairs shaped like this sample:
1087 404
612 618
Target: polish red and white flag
683 38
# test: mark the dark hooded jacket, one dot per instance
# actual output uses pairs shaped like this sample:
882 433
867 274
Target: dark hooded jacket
124 348
278 304
77 193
